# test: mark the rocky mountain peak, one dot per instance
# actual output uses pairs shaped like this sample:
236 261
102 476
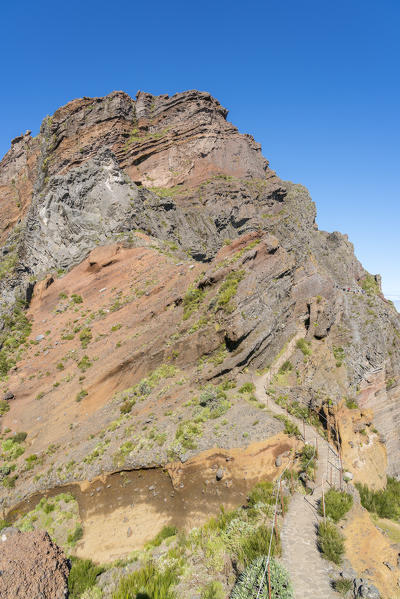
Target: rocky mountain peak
160 285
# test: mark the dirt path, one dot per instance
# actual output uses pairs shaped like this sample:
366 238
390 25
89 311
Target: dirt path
300 555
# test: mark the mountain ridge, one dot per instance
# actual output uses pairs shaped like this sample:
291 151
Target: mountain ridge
151 263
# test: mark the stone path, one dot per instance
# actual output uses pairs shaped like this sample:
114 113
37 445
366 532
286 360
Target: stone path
308 572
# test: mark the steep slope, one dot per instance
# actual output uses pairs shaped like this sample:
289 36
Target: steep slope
161 261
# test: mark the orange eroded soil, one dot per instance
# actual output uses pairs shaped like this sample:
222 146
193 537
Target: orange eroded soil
132 290
368 548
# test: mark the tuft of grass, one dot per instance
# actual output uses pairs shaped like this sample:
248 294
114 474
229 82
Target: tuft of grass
228 290
247 388
84 363
75 535
81 395
85 337
343 585
82 576
213 590
187 432
262 492
370 285
250 581
16 330
4 407
304 346
147 583
287 366
254 545
339 355
191 301
351 404
385 503
330 542
3 524
290 429
165 533
337 504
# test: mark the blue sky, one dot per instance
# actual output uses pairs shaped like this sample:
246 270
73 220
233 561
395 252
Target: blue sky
315 81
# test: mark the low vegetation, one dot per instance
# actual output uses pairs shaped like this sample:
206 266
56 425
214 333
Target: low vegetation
339 355
149 582
304 346
255 577
291 428
16 331
330 542
228 290
58 515
385 503
141 390
370 285
337 504
191 301
82 576
343 586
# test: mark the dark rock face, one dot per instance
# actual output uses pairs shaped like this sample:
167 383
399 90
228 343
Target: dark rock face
32 566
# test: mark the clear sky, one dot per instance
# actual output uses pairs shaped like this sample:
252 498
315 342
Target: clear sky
315 81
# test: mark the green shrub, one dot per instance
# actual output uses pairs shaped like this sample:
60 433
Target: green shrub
85 337
343 585
254 545
81 395
337 504
192 301
228 290
247 388
308 460
351 404
75 536
84 363
385 503
339 355
213 590
76 299
250 580
19 437
290 429
304 346
3 524
262 493
16 330
187 432
4 407
330 542
12 449
370 285
82 576
165 533
287 366
147 583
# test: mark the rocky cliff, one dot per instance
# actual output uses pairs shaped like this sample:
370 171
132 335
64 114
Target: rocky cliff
151 258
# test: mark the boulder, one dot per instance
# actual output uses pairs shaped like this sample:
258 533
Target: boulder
365 589
32 566
219 474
